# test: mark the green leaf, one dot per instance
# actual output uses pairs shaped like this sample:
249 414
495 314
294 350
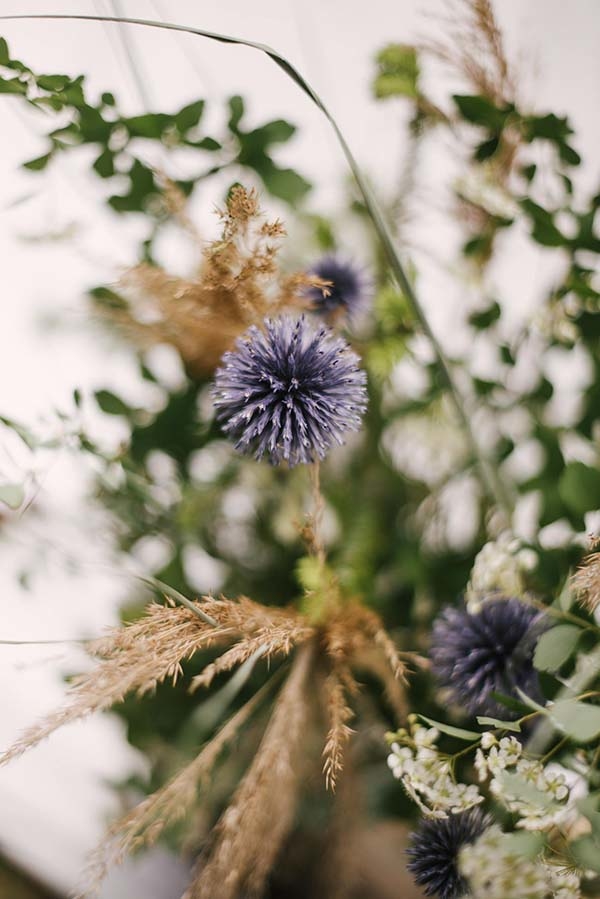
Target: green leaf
151 124
4 54
189 116
111 403
53 82
578 720
487 149
589 808
12 86
480 111
398 72
482 319
524 844
520 788
105 164
286 184
236 112
12 495
107 297
457 732
586 853
208 143
555 646
496 722
544 230
579 487
277 132
36 165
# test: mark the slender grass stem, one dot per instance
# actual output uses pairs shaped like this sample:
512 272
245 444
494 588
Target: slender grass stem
493 485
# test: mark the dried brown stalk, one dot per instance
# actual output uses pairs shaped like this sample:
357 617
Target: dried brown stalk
238 283
251 831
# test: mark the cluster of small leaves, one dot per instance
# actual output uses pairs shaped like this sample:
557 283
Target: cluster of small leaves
117 139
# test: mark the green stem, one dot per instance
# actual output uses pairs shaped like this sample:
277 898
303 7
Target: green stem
492 484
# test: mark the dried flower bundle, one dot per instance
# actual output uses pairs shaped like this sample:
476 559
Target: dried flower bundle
251 831
238 283
585 582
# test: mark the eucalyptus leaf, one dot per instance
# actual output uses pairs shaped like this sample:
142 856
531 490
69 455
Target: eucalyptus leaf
586 853
457 732
525 844
555 646
12 495
578 720
495 722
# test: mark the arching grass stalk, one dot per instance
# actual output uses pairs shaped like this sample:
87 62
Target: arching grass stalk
491 482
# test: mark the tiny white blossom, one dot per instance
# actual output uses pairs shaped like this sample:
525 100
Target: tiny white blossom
499 566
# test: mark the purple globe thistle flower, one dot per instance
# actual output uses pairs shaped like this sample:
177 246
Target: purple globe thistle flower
434 849
475 655
349 290
289 391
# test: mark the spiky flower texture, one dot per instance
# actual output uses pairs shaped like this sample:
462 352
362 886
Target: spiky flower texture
434 849
289 391
348 290
475 655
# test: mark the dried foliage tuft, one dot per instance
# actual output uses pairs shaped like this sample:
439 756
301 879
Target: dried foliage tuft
238 283
473 47
251 831
145 823
585 582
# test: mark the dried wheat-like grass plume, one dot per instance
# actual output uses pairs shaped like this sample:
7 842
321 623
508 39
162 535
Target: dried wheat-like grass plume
144 824
355 636
141 655
474 48
251 831
585 582
238 284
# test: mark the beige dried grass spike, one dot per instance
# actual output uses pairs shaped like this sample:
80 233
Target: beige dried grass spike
585 582
275 632
136 657
474 48
339 714
144 824
238 284
251 831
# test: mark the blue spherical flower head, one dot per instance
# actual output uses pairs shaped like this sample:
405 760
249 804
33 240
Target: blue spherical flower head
434 849
475 655
349 290
289 391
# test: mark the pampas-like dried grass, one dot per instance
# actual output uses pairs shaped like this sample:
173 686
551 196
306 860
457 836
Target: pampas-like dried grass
585 582
238 284
474 48
251 831
144 824
141 655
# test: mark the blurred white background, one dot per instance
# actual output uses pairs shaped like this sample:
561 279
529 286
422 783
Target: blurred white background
55 801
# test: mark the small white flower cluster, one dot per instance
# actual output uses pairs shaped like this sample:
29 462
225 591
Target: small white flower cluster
499 566
426 775
495 870
539 795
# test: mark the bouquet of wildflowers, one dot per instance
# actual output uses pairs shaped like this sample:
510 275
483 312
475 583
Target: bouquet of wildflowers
381 597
